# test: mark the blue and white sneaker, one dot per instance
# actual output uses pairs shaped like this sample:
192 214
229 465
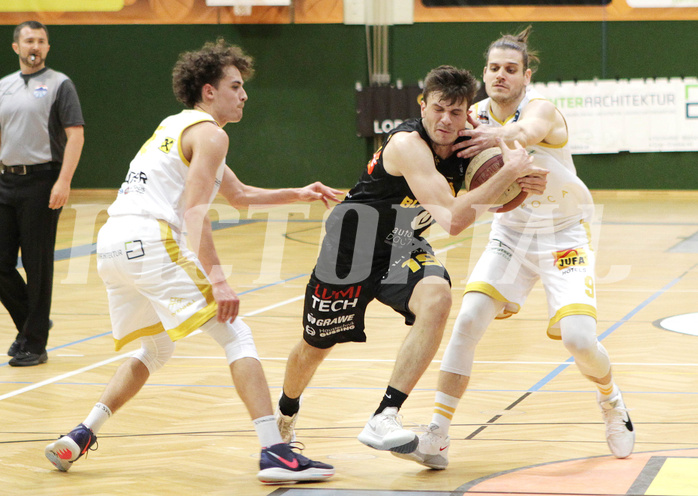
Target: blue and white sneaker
68 448
279 464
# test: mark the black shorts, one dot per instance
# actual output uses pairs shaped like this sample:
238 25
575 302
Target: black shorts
334 313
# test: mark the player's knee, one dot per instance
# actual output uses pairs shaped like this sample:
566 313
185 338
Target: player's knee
578 334
155 351
235 339
433 298
579 337
465 322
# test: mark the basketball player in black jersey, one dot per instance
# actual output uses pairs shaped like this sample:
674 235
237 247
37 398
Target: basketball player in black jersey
374 249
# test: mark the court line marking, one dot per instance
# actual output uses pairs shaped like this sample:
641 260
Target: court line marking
57 378
118 357
561 368
557 371
87 368
123 355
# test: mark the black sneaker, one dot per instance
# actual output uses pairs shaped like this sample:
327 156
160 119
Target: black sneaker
279 464
26 358
17 345
14 348
68 448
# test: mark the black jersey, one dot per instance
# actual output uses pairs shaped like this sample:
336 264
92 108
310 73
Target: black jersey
380 219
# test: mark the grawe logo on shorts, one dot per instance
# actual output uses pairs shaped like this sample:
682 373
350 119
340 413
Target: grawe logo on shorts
575 257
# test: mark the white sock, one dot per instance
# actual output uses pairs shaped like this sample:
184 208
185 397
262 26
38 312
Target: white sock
100 413
444 408
267 431
606 391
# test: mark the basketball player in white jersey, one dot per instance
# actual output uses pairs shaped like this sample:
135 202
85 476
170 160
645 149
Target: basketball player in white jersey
545 238
159 291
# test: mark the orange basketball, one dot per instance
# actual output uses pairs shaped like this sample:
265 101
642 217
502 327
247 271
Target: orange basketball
483 166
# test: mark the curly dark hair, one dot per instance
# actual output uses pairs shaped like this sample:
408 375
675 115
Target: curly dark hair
454 85
518 42
195 69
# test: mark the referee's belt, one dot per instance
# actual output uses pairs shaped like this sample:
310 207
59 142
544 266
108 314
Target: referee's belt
23 170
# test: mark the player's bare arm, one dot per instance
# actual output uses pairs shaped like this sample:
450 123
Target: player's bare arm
539 122
239 194
205 146
409 156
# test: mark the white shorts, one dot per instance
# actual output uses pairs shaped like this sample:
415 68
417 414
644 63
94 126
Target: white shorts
564 262
153 281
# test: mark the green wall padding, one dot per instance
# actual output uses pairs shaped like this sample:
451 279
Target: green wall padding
299 123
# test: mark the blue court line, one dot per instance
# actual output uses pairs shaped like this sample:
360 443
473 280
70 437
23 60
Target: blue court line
282 281
91 248
560 368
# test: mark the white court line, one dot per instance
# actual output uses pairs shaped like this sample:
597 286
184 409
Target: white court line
490 362
63 376
275 305
123 355
261 310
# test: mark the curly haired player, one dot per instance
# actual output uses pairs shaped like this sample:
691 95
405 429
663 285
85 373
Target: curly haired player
158 290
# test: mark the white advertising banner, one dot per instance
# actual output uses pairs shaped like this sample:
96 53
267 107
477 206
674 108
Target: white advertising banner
660 4
633 115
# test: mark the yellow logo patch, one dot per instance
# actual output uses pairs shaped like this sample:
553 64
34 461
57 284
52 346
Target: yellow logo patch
166 145
570 258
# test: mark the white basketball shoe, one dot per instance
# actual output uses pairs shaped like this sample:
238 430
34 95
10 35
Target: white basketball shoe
432 450
384 432
620 433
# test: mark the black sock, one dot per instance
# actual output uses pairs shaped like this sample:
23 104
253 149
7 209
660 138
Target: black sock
289 406
392 397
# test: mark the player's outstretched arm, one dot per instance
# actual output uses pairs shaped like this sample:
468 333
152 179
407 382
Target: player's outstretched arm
239 194
538 120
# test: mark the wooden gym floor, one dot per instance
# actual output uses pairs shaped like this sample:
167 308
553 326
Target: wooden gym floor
529 425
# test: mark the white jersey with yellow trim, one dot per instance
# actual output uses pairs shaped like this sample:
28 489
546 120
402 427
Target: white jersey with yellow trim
566 201
154 185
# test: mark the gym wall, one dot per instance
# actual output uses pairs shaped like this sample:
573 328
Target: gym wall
300 122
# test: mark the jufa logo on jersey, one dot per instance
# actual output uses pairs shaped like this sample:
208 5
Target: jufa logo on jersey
570 258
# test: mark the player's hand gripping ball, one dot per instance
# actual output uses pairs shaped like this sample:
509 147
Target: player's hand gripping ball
483 166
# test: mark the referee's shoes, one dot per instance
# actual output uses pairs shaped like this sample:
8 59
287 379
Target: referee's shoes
24 358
